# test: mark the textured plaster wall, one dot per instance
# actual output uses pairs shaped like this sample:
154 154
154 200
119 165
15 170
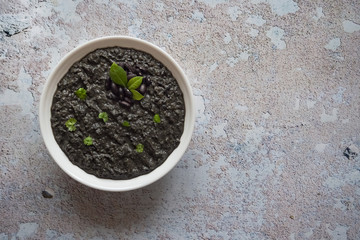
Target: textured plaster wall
277 89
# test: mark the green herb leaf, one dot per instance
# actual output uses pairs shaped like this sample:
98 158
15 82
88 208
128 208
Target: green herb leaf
81 93
134 83
70 124
126 124
104 116
139 148
118 75
157 118
136 95
88 141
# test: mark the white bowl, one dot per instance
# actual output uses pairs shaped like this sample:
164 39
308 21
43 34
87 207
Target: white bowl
47 98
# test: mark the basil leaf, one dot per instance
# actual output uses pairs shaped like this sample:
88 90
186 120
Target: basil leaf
134 83
136 95
126 124
118 75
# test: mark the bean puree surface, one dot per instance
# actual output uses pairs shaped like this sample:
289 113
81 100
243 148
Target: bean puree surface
113 153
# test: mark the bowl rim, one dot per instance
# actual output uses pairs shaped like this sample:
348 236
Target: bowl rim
45 113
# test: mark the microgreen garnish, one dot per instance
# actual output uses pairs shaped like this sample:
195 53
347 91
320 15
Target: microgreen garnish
70 124
88 141
104 116
139 148
81 93
119 76
126 124
157 118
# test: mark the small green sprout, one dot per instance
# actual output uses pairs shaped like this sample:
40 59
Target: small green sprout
88 141
139 148
104 116
70 124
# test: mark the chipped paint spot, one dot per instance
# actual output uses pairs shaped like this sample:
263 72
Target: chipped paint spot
3 53
338 97
338 56
169 37
329 118
159 6
344 121
319 13
12 24
132 4
344 204
231 61
292 236
241 108
27 230
309 233
310 103
253 32
253 138
67 10
52 234
266 115
339 181
218 130
297 104
199 16
202 117
213 66
320 147
256 20
280 7
350 26
3 236
244 56
233 12
333 182
170 19
227 39
189 42
213 3
333 44
338 233
276 34
24 97
135 28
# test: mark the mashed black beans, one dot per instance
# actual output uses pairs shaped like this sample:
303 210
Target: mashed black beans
113 153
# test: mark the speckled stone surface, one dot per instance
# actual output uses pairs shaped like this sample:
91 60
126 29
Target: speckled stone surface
277 89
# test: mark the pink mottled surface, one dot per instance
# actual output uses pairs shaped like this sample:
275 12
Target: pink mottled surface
277 89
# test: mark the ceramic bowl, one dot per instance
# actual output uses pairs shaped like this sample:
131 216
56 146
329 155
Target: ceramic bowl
47 98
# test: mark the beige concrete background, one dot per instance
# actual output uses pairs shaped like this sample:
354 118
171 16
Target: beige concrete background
277 89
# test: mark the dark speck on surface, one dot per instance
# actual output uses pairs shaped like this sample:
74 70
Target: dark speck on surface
351 152
48 193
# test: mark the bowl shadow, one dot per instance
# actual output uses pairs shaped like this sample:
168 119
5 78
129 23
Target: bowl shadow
116 210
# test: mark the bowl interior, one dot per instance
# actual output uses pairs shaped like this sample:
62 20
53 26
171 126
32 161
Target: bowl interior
49 91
